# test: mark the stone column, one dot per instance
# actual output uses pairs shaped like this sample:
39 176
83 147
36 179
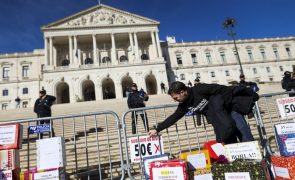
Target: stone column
54 56
119 91
158 45
75 60
155 54
71 50
98 92
114 53
136 49
47 63
95 59
51 51
132 46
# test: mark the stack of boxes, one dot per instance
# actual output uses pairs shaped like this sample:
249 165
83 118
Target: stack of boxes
10 142
284 164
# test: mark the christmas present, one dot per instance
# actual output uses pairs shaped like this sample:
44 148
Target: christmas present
201 174
284 167
9 159
215 149
285 135
11 136
254 169
167 170
147 163
245 150
196 159
9 174
51 153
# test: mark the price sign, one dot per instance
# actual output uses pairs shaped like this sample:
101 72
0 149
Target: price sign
145 146
286 106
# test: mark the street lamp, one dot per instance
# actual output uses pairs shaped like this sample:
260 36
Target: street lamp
229 24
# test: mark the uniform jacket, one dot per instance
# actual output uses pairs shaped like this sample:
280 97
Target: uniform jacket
136 100
42 107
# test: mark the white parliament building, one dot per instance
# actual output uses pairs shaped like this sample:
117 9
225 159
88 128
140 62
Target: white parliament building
99 52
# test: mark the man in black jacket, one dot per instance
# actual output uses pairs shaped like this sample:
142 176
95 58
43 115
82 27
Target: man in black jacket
217 103
42 107
136 100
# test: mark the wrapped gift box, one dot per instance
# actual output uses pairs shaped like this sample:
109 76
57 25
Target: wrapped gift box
9 159
51 153
201 174
9 175
196 159
285 135
11 136
284 167
147 163
257 170
215 149
167 170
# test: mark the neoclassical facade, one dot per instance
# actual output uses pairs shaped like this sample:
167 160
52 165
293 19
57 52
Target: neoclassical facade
98 53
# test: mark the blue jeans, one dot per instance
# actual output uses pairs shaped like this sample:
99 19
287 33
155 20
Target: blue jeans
242 127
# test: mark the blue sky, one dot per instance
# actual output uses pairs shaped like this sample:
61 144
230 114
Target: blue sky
187 20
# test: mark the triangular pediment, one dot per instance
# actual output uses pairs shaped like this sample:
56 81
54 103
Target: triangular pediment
100 15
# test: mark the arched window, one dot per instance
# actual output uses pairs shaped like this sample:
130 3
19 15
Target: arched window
144 57
123 58
88 61
106 59
65 62
25 90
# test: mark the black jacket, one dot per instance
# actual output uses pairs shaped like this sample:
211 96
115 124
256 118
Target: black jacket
136 100
198 97
42 107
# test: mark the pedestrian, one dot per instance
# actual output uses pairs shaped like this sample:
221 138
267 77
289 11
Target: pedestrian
42 108
291 85
285 81
197 81
189 84
17 101
252 85
137 99
163 88
223 106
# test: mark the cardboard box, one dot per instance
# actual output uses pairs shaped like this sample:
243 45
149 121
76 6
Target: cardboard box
51 153
245 150
167 170
196 159
9 159
285 136
9 175
284 167
147 163
11 136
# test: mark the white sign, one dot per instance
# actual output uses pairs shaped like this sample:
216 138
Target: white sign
287 128
6 175
168 173
197 160
290 144
246 150
282 172
203 177
49 175
237 176
145 146
7 134
147 163
286 106
218 148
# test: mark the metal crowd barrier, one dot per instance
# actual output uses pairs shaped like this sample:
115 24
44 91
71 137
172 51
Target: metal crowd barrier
92 141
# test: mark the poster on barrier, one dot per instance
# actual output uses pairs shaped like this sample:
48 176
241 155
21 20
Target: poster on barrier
145 146
286 107
10 136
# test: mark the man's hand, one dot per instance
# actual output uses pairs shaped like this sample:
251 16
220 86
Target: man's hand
152 132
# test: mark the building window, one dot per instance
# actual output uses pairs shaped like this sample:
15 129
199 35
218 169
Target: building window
254 70
179 59
275 51
208 57
144 57
123 58
4 106
182 77
88 61
5 72
249 51
236 55
106 59
194 58
212 74
281 68
25 104
5 92
227 73
65 62
222 56
268 69
270 79
25 90
198 75
262 51
25 71
288 52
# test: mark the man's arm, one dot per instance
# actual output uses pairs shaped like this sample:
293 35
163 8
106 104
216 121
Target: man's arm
172 119
36 106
